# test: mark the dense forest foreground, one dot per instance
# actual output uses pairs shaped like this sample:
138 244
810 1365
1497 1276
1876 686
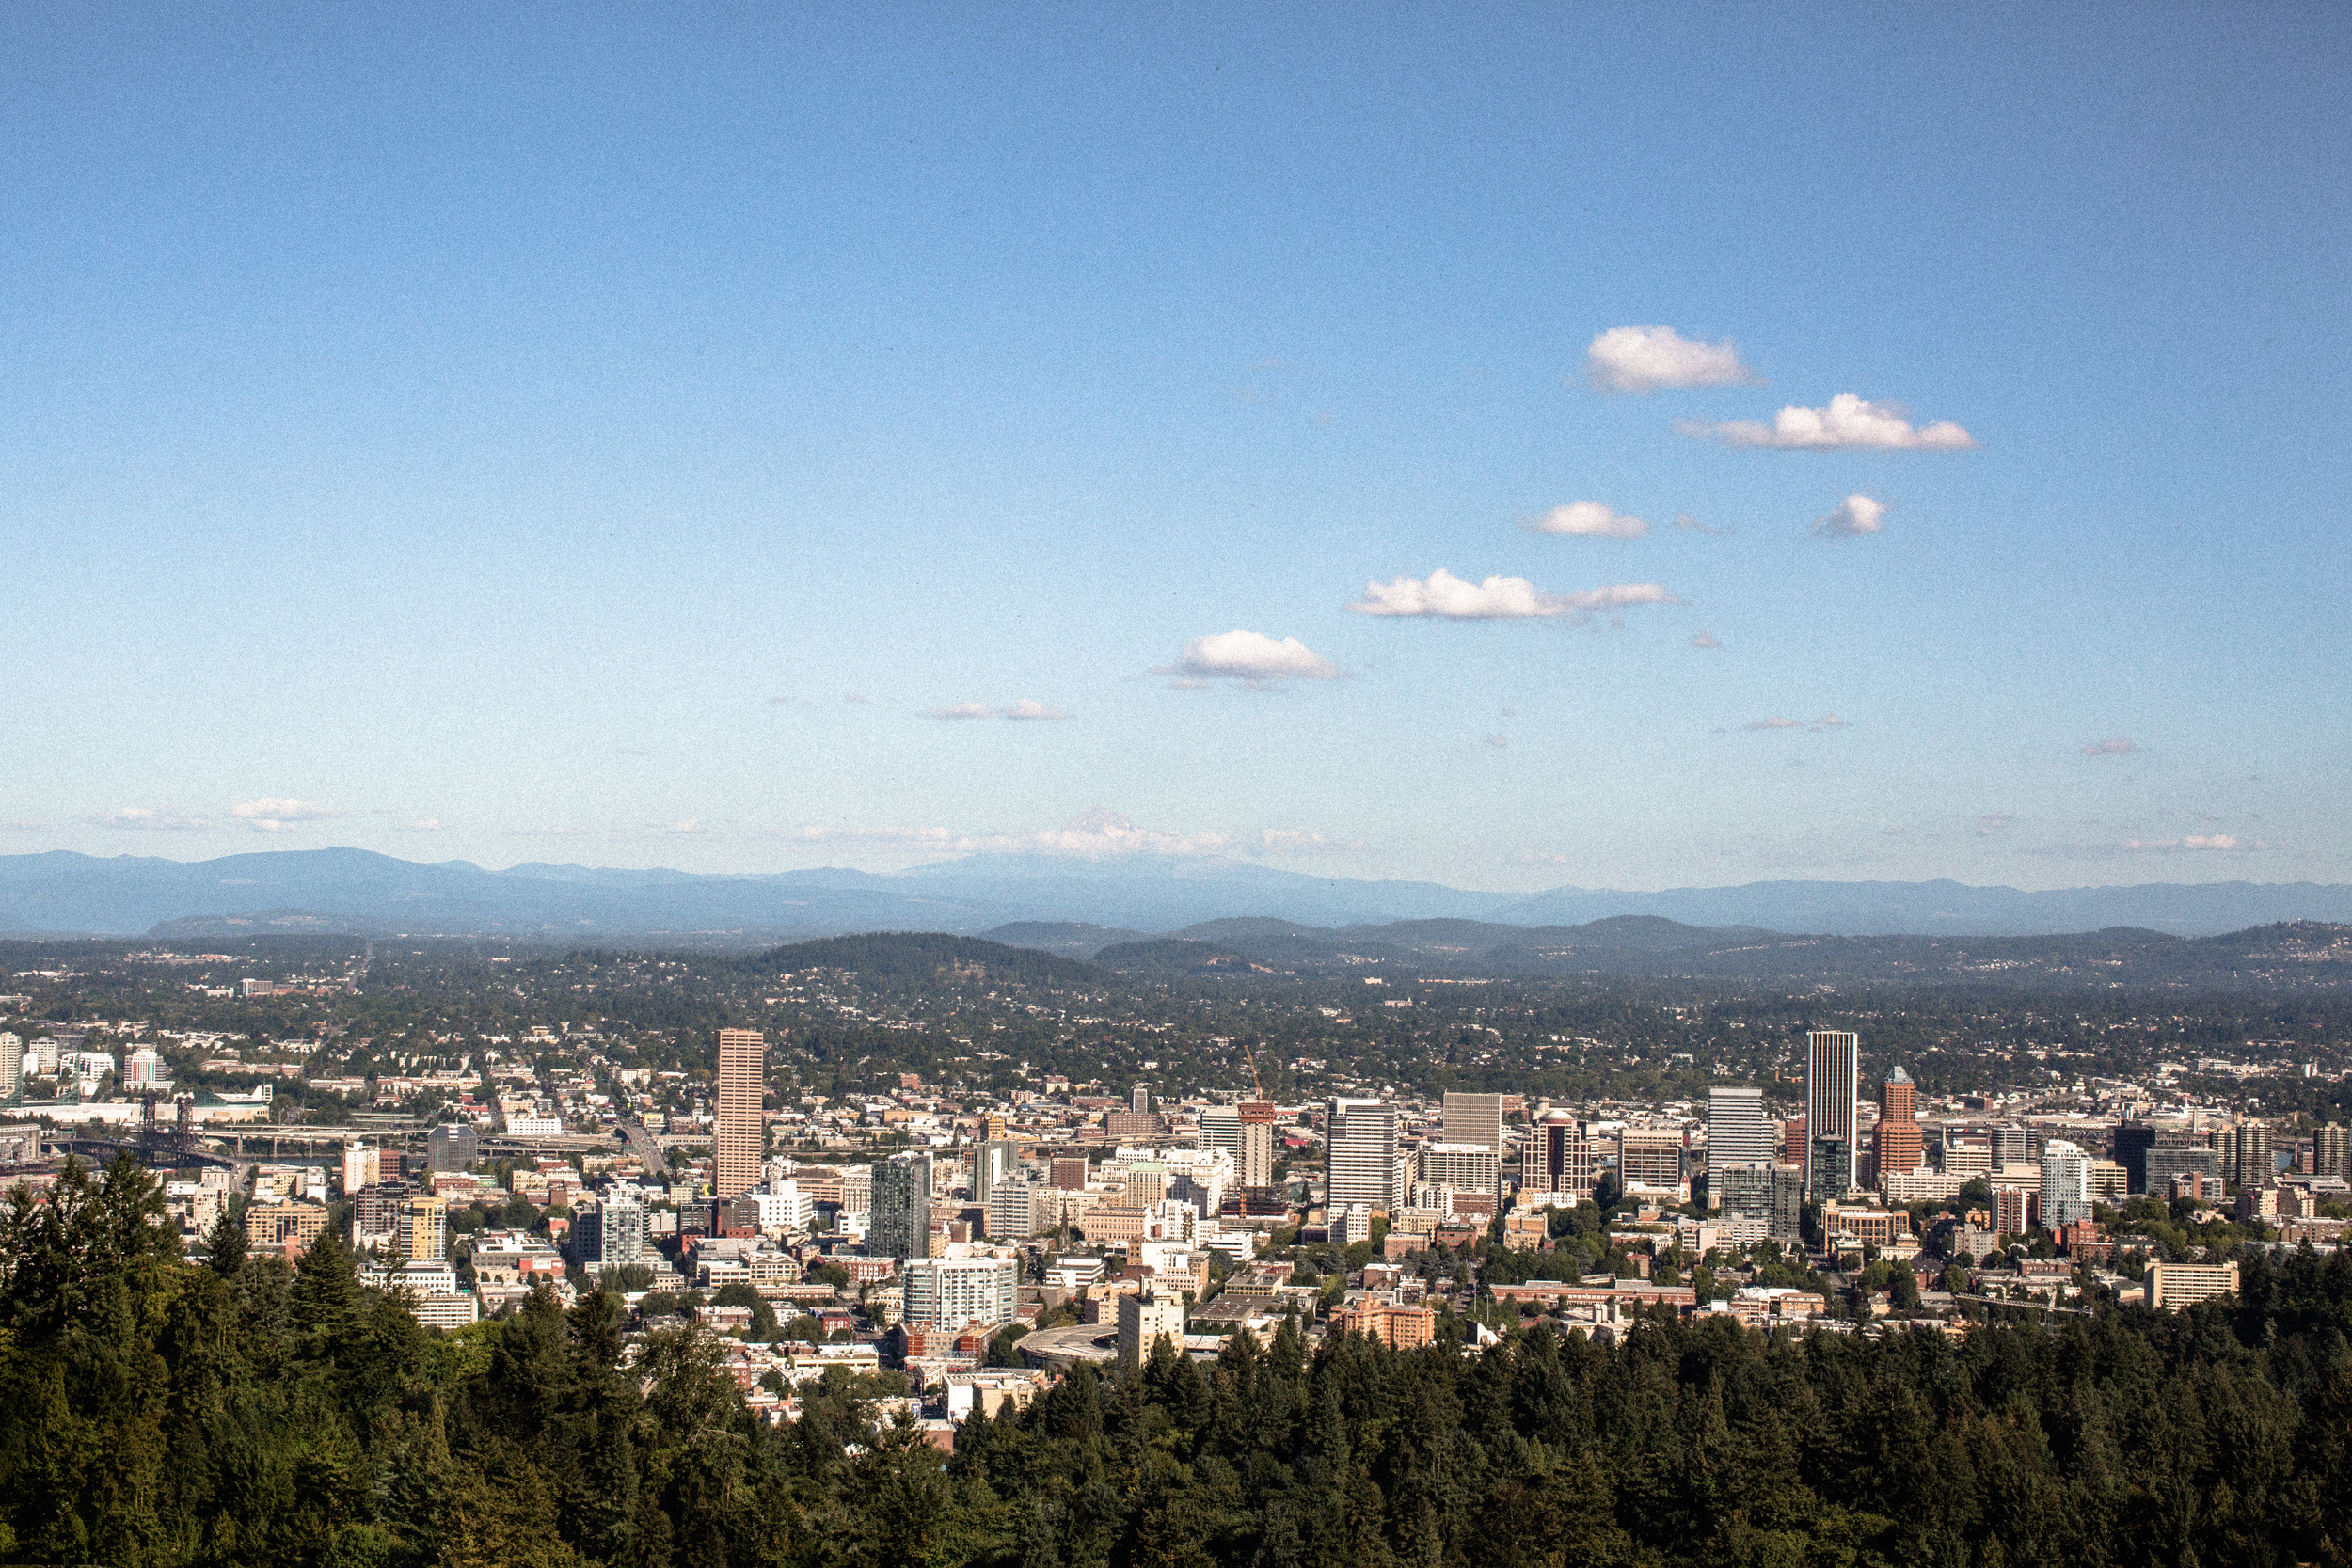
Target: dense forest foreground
153 1412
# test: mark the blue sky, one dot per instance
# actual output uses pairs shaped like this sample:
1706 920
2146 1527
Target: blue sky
522 437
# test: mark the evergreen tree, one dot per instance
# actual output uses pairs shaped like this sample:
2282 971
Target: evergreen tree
224 1244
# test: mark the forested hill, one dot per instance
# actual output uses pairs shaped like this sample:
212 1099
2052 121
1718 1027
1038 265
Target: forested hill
158 1415
930 957
2293 956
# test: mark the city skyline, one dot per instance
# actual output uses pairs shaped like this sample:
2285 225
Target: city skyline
1638 451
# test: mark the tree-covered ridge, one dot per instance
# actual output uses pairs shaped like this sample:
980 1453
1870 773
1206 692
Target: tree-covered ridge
927 958
157 1413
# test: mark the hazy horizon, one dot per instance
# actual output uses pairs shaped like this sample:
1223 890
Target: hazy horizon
982 859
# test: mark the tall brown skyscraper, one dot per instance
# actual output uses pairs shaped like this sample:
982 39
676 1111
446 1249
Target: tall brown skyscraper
743 1067
1899 1149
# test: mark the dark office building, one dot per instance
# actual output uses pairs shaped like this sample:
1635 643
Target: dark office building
449 1147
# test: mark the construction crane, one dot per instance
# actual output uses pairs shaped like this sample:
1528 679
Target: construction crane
1256 1082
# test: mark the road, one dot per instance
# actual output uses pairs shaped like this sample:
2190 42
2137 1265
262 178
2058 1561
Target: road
648 1152
1066 1347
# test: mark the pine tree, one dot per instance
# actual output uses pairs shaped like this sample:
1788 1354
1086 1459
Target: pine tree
224 1244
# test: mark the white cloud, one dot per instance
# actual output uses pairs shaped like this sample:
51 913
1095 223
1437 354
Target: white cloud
2115 745
1827 722
1704 640
2193 841
1251 658
1096 835
422 825
157 821
1289 841
1999 822
1847 421
1028 707
1688 524
819 835
1445 596
1646 358
1102 834
1500 742
683 827
1099 835
855 697
278 814
1588 520
1852 517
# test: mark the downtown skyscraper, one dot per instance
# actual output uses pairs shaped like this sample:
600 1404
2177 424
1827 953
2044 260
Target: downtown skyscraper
1832 1083
739 1141
1363 1166
1896 1148
1737 1133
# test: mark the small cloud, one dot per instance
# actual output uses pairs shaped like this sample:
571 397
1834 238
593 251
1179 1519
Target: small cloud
1852 517
1096 835
1288 841
2193 841
1251 658
1587 520
855 697
786 701
1685 523
1649 359
1827 722
814 835
1536 857
2114 746
1028 707
278 814
1848 422
1500 742
422 825
1999 822
1442 596
1099 834
683 827
1704 640
146 819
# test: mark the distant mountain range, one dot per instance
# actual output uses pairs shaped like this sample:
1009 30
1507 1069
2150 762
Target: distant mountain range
360 893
